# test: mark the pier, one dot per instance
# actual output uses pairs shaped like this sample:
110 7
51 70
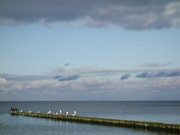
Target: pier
174 128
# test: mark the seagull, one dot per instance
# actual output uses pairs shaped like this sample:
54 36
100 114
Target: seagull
74 113
56 113
29 111
66 113
60 112
49 112
21 111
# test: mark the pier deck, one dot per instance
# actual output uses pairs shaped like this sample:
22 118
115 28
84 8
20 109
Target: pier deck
110 122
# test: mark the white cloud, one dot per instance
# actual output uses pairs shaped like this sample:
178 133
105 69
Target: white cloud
91 22
4 84
94 83
15 85
172 9
89 88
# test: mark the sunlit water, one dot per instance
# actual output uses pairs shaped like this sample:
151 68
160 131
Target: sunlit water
164 112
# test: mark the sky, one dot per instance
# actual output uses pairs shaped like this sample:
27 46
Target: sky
76 50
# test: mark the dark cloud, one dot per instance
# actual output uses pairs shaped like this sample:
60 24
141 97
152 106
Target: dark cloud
126 76
174 74
158 74
67 64
68 78
129 14
57 77
143 75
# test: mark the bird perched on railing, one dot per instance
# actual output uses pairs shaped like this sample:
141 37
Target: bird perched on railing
14 110
49 112
74 113
29 111
66 113
56 113
60 112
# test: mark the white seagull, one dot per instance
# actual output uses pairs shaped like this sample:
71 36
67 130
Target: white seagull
49 112
66 113
74 113
21 110
29 111
60 112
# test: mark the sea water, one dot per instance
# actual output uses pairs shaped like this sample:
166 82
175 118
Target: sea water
163 112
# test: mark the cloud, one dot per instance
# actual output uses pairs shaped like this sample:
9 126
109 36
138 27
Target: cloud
143 75
93 84
92 71
91 88
67 64
5 83
96 71
126 76
14 77
154 65
90 22
57 77
158 74
67 77
129 14
22 85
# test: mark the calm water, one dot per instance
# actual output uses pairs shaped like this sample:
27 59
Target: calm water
164 112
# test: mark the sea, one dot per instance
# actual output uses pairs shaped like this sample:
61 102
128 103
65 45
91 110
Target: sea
150 111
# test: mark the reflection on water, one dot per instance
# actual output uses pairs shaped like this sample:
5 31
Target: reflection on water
13 125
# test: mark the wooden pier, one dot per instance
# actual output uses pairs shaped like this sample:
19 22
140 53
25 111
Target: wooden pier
173 128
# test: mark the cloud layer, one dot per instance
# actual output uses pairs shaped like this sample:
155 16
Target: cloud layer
92 83
154 65
91 89
158 74
67 77
129 14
